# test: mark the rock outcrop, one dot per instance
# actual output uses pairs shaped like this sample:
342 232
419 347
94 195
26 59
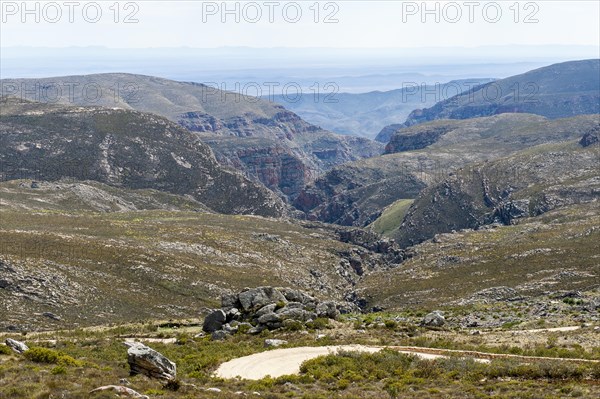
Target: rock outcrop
262 308
120 391
147 361
404 140
590 138
434 319
16 346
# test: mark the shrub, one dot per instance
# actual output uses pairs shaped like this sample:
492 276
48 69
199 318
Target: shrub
391 324
293 325
318 324
45 355
59 370
173 385
5 350
243 329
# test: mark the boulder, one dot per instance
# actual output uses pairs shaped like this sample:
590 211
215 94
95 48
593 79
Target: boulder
214 321
147 361
298 296
120 390
433 319
16 346
327 309
256 298
229 301
233 314
274 343
269 318
219 335
265 310
296 314
229 329
257 330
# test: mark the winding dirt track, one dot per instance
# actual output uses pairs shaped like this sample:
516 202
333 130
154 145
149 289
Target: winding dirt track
278 362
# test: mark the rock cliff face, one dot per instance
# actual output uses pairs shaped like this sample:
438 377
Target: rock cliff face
261 139
124 149
529 183
556 91
407 141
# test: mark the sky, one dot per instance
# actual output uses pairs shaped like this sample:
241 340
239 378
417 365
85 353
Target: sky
335 24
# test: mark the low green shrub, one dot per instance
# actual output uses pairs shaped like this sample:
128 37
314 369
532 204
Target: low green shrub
50 356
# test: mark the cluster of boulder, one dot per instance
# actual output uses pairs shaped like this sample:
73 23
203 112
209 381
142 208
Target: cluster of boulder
258 309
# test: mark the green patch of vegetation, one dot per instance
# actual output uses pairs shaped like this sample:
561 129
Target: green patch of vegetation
391 218
5 350
45 355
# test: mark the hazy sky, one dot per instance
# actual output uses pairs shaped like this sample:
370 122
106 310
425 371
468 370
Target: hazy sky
366 24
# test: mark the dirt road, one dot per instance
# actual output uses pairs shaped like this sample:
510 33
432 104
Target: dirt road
287 361
280 362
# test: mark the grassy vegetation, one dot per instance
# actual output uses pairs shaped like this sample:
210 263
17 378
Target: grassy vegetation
99 358
97 268
391 218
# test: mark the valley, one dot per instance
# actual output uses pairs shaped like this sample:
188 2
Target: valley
460 247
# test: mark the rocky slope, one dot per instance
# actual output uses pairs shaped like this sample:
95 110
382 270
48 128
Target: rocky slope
124 149
538 265
357 193
556 91
526 184
27 195
68 259
262 139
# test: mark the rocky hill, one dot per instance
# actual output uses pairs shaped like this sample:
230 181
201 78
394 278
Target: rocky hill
357 193
122 148
262 139
526 184
556 91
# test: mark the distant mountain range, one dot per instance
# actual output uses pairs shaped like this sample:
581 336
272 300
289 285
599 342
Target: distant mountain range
365 114
556 91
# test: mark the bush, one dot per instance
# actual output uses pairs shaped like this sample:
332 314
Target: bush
320 323
45 355
173 385
5 350
59 370
391 324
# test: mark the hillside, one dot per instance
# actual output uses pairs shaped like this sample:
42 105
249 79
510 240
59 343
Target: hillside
549 256
525 184
357 193
122 148
102 254
366 114
556 91
260 138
